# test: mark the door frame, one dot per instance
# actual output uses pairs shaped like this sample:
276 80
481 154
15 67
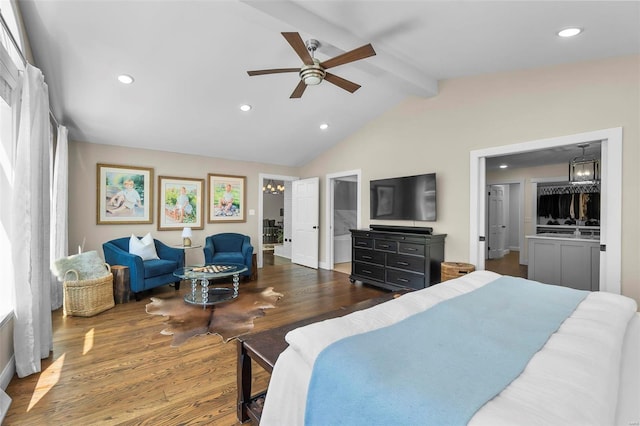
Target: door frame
261 179
328 214
611 197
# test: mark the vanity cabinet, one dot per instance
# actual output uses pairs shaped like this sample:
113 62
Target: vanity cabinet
565 261
396 260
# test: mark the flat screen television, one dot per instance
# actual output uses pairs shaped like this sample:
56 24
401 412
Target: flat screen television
404 198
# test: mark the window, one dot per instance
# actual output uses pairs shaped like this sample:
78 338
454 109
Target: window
10 62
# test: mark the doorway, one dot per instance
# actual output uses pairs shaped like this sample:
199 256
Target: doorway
511 260
343 201
274 224
611 185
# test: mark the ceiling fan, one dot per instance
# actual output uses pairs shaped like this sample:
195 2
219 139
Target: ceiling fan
313 71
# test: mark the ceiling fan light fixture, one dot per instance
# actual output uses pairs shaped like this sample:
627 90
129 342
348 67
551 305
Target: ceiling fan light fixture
312 75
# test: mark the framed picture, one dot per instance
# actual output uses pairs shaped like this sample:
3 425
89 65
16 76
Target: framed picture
124 194
180 203
227 198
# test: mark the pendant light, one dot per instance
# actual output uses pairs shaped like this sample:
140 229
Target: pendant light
584 169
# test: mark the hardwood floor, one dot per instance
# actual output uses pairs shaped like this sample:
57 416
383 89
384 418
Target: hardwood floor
507 265
117 369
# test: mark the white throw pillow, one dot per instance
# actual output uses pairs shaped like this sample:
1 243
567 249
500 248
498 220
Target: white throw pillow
144 247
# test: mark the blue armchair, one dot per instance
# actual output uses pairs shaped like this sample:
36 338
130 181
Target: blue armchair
147 274
229 248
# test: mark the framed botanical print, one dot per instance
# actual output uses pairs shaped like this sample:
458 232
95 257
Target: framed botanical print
227 198
124 194
180 203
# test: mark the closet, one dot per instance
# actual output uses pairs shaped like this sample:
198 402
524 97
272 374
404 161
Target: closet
563 207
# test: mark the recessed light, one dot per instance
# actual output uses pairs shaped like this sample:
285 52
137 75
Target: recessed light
245 107
503 166
324 126
125 79
569 32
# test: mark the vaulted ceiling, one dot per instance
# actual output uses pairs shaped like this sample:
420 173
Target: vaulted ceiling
190 59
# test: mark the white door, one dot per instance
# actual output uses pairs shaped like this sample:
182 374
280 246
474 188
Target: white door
498 219
305 210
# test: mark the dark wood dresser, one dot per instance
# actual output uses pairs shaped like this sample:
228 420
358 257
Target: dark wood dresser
396 257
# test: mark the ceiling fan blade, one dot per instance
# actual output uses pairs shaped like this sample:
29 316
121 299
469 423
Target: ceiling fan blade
353 55
299 90
347 85
298 45
273 71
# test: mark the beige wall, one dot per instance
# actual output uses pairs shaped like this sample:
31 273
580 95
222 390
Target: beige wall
6 351
422 136
83 158
437 134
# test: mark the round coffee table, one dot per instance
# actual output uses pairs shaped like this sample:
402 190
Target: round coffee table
201 274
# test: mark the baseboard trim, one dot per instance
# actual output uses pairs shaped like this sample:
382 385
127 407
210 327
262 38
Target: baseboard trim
8 372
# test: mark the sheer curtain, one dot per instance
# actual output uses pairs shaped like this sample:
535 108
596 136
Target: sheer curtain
30 212
59 218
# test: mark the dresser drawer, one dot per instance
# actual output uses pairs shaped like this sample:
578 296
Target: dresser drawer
370 271
385 245
362 242
409 263
405 279
370 256
409 248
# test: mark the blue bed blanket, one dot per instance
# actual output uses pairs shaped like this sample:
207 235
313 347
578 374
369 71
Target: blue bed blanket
440 366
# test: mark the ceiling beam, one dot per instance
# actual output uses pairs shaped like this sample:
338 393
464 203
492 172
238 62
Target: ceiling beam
394 71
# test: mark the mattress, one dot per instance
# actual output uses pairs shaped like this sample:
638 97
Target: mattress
587 373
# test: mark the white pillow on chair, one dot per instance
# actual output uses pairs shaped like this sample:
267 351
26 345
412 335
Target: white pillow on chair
144 247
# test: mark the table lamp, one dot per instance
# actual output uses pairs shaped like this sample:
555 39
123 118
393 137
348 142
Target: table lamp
186 237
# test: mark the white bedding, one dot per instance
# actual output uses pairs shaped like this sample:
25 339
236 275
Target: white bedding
574 379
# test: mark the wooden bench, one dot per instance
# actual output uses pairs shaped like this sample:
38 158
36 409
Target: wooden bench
264 348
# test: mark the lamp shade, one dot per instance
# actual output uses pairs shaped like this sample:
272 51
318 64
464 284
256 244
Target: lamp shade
186 237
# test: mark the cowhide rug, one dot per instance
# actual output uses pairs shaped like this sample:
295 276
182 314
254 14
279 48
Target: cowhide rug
229 319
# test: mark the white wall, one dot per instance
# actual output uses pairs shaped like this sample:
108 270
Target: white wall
513 239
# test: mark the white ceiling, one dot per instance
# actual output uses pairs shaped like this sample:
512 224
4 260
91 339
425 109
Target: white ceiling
189 59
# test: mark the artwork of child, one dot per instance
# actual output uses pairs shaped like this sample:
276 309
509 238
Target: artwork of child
125 200
183 207
226 202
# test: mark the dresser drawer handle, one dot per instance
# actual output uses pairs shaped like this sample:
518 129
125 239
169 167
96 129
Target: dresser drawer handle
361 243
411 249
366 271
384 245
403 280
402 263
367 257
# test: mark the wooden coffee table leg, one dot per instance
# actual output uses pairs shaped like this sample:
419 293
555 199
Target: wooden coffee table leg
244 382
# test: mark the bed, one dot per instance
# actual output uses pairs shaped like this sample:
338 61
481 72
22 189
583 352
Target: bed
587 372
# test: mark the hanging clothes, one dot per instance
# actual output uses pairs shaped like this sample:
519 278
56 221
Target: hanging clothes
593 206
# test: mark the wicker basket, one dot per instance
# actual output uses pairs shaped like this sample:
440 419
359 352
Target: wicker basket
86 298
451 270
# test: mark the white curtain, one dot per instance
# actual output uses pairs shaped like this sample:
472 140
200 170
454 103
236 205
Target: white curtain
59 217
29 205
